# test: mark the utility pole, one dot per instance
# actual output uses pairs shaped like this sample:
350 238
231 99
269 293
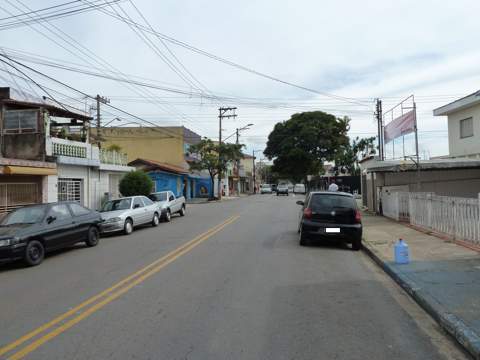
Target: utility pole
378 114
221 115
104 100
254 180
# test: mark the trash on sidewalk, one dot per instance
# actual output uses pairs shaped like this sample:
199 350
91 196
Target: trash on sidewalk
401 252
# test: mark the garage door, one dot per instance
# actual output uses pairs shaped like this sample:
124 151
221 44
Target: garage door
14 195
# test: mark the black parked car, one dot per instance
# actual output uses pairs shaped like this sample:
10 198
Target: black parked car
330 215
29 232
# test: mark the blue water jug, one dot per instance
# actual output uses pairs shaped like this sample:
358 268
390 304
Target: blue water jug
401 252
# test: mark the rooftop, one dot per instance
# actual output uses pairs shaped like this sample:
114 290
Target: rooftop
409 165
152 165
457 105
21 99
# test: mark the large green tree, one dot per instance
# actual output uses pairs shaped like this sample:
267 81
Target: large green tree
214 157
300 145
136 183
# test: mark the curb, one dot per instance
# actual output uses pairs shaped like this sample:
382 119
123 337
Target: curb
452 324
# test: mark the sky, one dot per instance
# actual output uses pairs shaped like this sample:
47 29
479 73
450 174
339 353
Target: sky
349 52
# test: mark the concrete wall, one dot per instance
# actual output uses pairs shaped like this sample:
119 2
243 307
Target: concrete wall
159 144
50 189
466 146
457 182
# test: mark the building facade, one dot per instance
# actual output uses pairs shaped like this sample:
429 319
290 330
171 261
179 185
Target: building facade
463 125
46 155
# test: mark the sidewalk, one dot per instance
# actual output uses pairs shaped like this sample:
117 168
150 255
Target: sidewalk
205 200
444 278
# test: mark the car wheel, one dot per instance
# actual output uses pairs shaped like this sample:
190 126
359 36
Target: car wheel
168 216
155 220
302 238
92 237
182 211
356 244
128 227
34 253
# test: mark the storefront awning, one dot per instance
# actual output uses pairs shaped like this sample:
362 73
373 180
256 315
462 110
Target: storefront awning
28 170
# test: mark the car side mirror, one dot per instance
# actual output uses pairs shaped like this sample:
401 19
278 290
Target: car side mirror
136 206
300 202
51 219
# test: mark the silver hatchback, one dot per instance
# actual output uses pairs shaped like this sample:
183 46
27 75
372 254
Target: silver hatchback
125 213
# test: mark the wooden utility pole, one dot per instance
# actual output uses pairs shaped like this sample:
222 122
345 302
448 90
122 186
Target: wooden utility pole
221 115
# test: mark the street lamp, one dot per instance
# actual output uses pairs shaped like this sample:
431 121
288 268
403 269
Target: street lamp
114 119
246 127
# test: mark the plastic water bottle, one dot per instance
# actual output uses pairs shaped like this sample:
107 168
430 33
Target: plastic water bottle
401 252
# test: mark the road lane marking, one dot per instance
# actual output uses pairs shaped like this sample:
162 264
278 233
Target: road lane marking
139 276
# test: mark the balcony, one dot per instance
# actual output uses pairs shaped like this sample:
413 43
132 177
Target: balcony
113 157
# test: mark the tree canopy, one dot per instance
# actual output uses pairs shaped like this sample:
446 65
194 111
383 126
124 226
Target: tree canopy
300 145
214 157
349 154
136 183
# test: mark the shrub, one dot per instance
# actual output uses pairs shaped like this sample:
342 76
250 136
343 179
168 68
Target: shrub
136 183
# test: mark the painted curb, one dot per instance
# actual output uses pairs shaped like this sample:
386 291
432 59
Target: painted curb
452 324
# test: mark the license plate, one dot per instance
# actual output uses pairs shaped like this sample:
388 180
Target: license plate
332 230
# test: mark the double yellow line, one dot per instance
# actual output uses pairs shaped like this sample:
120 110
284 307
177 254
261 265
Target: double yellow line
96 302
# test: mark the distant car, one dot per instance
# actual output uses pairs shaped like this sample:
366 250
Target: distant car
299 189
169 204
30 232
330 215
274 187
265 189
125 213
282 190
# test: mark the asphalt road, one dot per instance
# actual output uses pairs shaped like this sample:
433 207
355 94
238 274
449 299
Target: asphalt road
227 281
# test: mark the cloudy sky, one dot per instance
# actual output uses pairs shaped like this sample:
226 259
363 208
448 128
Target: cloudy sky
358 50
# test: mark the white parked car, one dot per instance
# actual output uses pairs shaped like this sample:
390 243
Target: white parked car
125 213
169 204
265 189
299 189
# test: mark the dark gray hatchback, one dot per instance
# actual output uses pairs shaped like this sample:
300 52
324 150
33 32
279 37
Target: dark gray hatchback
29 232
330 215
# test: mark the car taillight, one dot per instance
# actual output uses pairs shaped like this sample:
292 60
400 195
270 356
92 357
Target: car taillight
358 217
307 213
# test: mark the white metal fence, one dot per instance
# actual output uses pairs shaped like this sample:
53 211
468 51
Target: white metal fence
456 217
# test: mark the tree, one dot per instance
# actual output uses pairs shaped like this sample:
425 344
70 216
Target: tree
136 183
214 157
300 145
349 154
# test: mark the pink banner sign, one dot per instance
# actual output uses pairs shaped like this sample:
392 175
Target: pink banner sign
402 125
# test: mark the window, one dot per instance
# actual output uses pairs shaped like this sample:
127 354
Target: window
137 203
27 215
20 121
120 204
60 212
327 202
162 196
466 128
69 189
147 201
79 210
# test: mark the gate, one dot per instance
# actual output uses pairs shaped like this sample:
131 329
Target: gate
15 195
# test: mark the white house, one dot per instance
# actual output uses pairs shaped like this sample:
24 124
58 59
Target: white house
463 126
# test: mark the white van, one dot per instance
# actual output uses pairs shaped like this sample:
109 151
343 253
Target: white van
299 189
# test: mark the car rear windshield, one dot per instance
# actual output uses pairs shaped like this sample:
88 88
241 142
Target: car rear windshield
329 202
120 204
28 215
158 196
